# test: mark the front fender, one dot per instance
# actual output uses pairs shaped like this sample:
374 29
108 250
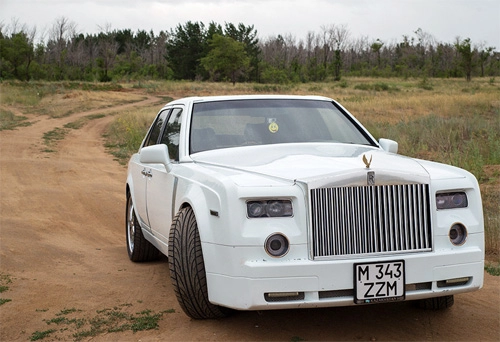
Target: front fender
206 204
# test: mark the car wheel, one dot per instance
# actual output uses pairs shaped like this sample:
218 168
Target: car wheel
187 268
437 303
139 249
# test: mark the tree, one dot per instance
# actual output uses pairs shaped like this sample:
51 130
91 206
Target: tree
248 36
464 49
226 57
484 54
17 50
338 36
376 47
60 36
16 54
107 48
185 47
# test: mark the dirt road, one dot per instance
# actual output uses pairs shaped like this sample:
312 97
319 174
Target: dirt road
64 261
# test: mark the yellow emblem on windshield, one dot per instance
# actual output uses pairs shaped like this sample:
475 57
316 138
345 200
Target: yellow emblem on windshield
273 127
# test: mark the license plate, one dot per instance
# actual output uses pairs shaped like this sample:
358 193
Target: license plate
379 282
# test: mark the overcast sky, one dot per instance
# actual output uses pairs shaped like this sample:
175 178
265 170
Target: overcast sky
387 20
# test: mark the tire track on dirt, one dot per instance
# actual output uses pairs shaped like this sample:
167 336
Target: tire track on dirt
62 221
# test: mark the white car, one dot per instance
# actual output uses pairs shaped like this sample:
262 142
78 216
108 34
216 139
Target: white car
274 202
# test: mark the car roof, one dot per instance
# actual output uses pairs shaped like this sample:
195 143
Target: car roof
197 99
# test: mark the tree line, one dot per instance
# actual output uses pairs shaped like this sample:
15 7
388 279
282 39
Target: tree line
195 51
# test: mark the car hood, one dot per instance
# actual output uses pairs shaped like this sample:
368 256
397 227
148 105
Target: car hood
318 165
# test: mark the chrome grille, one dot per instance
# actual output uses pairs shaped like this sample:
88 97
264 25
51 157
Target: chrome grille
370 219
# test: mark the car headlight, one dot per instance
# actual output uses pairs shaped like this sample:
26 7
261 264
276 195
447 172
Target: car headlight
451 200
269 208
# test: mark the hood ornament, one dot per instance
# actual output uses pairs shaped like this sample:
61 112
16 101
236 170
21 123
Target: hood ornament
367 163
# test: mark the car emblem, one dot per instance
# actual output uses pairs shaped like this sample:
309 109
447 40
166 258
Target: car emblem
367 163
370 178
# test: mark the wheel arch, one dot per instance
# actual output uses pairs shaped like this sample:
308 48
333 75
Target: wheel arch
206 203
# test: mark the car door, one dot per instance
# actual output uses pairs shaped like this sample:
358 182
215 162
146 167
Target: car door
161 184
141 172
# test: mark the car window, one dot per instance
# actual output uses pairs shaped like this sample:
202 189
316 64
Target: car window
234 123
171 133
154 132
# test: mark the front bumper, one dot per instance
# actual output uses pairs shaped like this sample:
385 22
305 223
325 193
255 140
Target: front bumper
247 284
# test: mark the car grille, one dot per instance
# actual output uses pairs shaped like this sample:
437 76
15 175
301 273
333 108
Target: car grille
370 219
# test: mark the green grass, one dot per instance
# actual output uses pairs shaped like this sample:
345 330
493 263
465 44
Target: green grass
105 321
5 280
82 121
378 86
40 335
51 137
125 134
41 88
469 142
5 300
9 120
492 268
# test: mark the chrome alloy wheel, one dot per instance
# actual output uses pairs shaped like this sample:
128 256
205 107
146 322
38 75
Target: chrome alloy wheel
130 226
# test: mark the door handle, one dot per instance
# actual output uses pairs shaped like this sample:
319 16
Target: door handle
147 173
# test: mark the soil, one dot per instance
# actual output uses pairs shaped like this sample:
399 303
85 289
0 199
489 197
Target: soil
63 255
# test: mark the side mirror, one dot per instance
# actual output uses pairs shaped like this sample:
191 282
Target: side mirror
156 154
388 145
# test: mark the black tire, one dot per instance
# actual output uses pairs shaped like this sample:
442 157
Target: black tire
437 303
138 248
187 268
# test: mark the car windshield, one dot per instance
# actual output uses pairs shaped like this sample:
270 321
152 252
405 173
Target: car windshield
232 123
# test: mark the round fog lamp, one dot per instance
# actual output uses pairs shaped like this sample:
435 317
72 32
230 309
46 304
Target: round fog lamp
458 234
276 245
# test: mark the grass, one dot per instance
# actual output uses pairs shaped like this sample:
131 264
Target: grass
40 335
82 121
9 120
125 134
105 321
61 99
51 137
5 280
470 142
492 268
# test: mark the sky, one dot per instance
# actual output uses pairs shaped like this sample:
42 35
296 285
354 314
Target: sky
387 20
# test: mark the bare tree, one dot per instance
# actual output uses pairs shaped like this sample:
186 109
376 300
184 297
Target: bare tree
337 42
108 50
60 35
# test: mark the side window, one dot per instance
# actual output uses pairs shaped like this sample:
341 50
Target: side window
154 133
171 133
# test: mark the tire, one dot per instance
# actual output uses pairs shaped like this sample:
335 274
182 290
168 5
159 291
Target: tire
138 248
437 303
187 268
